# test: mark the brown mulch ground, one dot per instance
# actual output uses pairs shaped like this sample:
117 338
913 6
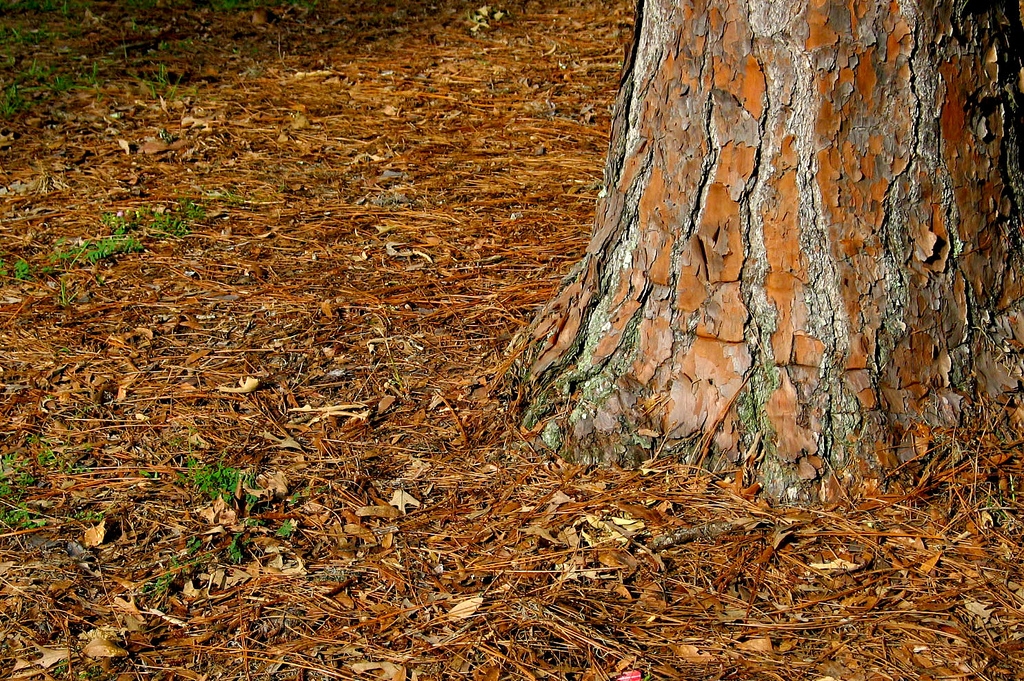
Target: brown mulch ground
260 271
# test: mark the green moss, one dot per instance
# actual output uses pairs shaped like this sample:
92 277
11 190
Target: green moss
539 407
597 385
751 408
552 436
583 366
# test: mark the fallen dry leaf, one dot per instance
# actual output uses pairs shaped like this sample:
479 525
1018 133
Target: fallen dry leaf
126 606
218 513
400 499
286 442
690 652
387 670
379 512
102 644
48 657
276 482
95 535
559 498
269 485
928 566
466 608
487 673
837 564
385 403
757 645
979 610
245 385
153 146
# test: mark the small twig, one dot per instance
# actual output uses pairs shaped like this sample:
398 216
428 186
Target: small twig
685 535
16 533
455 416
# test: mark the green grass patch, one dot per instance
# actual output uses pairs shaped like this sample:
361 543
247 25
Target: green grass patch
159 586
121 222
161 83
91 77
48 458
94 250
190 210
20 270
193 545
123 226
20 517
16 35
36 71
170 224
38 81
15 477
241 5
89 516
62 83
51 460
12 102
15 480
213 480
175 222
62 6
236 549
66 292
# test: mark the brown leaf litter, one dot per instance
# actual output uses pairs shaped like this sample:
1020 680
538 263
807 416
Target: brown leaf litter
261 267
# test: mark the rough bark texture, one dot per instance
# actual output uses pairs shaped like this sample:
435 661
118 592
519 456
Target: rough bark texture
809 249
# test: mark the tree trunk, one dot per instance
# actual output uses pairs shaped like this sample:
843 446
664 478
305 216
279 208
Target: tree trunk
809 250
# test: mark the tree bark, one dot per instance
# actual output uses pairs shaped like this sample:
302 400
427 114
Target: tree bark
809 250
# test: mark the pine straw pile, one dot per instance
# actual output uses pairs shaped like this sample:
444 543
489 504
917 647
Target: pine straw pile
260 269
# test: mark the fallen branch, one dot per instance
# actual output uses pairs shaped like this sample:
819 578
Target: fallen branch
712 530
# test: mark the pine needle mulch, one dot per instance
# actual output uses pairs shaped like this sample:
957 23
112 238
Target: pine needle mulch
260 271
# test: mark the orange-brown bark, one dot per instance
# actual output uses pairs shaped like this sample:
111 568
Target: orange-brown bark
809 242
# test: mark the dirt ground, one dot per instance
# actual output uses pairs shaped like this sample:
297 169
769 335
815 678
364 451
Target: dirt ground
261 268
